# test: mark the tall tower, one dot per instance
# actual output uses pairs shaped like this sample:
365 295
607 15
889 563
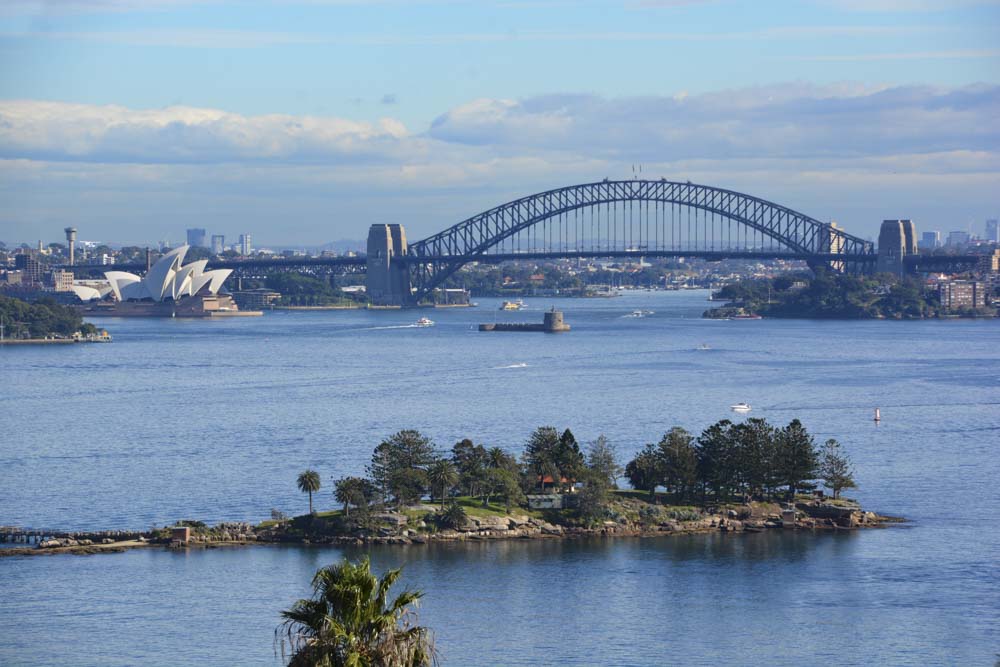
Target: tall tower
71 241
896 240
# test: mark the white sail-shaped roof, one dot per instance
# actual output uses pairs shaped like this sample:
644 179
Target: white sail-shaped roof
159 278
168 278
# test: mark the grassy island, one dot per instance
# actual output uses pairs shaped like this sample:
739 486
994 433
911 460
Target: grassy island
828 295
732 477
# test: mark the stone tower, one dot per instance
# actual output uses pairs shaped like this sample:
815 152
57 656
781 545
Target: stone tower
388 281
896 240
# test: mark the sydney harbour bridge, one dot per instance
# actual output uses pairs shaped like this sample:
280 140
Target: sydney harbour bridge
611 219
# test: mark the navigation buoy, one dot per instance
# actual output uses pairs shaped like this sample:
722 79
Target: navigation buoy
878 416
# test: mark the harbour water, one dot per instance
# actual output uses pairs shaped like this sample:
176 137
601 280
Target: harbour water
214 419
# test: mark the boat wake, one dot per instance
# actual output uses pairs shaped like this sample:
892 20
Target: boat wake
517 365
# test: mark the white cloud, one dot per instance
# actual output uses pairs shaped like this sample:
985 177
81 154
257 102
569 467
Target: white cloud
848 151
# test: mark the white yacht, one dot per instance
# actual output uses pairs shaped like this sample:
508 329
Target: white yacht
425 322
740 407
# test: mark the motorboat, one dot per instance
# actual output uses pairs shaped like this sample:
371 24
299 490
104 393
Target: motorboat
639 313
512 305
740 407
425 322
704 346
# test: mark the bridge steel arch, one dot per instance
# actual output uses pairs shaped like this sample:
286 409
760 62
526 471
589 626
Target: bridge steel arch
797 235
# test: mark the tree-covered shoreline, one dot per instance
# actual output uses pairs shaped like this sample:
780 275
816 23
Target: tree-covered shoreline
831 295
43 319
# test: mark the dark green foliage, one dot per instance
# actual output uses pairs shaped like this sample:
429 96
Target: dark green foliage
302 290
834 295
602 460
399 465
453 516
644 472
753 459
558 457
350 621
471 461
592 499
42 319
504 484
835 468
678 461
355 491
443 476
309 482
795 459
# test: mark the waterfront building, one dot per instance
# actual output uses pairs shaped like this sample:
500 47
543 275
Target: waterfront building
930 240
168 279
256 299
218 244
963 294
196 238
246 247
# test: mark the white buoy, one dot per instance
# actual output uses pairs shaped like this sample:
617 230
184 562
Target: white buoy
878 415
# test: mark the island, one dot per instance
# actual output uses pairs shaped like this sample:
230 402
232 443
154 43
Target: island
743 477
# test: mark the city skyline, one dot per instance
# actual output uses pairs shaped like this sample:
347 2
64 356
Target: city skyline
304 127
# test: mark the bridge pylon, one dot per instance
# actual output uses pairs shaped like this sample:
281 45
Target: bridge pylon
388 278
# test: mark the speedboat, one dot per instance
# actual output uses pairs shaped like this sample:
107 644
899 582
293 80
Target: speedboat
639 313
425 322
740 407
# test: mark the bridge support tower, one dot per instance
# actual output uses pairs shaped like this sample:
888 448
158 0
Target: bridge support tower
897 239
388 280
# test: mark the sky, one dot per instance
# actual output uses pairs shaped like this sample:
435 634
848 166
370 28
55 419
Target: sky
305 121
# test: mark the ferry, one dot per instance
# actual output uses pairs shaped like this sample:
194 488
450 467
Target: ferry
512 305
425 322
740 407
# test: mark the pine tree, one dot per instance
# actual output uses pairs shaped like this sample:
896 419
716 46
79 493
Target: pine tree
678 460
835 468
796 459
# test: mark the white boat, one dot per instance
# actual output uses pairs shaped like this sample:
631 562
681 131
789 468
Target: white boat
639 313
704 346
740 407
425 322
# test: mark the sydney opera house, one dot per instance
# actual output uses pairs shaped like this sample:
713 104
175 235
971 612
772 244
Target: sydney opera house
169 289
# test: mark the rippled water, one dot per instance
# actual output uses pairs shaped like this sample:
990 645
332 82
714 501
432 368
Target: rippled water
213 420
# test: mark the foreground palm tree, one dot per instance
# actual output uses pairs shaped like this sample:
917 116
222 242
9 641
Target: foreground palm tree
348 622
308 483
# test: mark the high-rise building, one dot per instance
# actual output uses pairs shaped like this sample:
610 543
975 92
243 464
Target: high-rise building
218 244
196 238
958 238
993 230
962 294
245 246
30 268
930 240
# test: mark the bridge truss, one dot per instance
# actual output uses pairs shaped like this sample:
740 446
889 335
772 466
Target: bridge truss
644 218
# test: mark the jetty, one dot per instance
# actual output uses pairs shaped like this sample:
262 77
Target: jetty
552 323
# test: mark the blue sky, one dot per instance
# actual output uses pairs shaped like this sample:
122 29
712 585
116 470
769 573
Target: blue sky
304 122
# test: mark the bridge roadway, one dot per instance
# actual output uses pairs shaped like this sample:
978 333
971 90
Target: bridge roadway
489 258
915 263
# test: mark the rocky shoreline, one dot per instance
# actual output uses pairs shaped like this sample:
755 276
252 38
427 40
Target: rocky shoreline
398 528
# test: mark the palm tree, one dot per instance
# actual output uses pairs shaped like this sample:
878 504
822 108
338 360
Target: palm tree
442 475
308 483
348 621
